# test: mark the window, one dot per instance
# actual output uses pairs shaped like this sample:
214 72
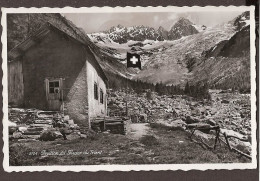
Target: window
101 96
95 91
54 87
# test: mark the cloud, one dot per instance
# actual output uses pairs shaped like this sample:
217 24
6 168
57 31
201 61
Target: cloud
96 22
155 19
173 16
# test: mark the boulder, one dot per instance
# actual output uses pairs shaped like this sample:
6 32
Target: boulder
178 124
174 125
12 129
143 117
71 122
224 101
22 129
83 136
211 122
58 134
195 112
12 124
204 136
66 117
233 134
17 135
73 136
48 135
191 119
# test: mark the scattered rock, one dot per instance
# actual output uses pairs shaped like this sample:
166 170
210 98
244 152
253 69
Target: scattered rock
22 129
225 101
17 135
12 124
211 122
70 122
12 130
83 136
190 120
73 136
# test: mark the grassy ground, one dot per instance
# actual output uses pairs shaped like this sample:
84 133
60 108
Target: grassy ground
164 146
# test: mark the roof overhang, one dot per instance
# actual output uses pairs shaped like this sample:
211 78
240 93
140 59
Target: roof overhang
39 35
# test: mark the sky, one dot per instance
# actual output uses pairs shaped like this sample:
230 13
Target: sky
96 22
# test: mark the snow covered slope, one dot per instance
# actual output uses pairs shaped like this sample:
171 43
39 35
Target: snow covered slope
170 57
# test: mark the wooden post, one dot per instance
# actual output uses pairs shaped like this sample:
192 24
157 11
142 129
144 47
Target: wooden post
226 138
192 133
126 97
217 138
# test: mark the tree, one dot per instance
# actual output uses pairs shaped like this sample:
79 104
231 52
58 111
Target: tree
187 89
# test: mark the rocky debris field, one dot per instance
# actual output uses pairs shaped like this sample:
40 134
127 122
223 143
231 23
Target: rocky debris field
231 111
27 125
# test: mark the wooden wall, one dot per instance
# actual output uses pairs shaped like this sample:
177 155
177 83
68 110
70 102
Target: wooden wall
15 83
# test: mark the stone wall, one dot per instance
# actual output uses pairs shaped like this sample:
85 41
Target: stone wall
55 56
96 108
76 102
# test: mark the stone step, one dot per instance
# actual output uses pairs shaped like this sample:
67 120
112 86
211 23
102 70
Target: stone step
39 121
32 132
41 125
35 129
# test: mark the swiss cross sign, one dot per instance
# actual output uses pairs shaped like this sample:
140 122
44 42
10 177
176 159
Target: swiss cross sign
133 60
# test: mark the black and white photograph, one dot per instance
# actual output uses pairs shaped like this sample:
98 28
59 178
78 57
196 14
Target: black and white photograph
129 88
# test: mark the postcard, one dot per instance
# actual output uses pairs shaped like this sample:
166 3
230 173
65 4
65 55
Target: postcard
129 88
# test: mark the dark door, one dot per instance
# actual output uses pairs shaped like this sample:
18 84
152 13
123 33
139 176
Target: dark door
54 93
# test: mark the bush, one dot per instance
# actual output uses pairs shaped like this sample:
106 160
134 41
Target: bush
48 135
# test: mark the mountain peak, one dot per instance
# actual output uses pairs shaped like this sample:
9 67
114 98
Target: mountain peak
120 26
183 27
163 33
161 28
241 21
183 21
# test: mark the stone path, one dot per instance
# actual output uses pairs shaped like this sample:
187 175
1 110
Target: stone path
137 130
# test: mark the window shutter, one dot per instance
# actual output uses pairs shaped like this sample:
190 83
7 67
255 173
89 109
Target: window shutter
46 82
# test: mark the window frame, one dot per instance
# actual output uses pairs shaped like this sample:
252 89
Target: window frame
95 90
54 87
101 96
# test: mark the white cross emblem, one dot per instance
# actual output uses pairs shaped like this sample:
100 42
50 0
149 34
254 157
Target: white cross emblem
134 60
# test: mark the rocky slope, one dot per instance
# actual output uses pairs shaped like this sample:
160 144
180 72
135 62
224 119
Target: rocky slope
176 56
146 41
227 64
170 66
198 57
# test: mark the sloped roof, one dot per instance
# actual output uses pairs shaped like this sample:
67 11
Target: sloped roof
41 33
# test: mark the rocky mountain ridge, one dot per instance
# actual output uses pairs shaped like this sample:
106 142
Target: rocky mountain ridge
172 61
120 34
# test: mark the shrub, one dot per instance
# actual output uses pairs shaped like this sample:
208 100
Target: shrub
48 135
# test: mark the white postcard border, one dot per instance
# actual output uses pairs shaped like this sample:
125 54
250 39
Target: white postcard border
146 167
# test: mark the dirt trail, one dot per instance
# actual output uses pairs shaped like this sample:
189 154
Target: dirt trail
137 130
